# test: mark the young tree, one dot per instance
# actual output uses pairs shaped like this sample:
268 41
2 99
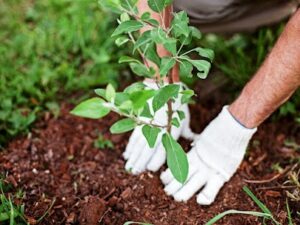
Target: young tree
138 103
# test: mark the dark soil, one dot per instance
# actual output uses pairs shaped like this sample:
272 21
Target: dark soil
58 161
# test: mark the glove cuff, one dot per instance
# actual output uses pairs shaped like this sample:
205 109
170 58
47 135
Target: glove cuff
223 143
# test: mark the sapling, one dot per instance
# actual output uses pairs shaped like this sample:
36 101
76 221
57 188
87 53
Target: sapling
139 104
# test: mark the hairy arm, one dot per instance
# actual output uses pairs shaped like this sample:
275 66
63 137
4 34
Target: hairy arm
276 80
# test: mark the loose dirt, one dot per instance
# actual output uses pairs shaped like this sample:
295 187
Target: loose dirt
58 162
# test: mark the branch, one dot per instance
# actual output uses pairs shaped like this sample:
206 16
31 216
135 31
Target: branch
136 119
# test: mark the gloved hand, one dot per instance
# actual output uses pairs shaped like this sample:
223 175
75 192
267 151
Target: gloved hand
139 155
215 157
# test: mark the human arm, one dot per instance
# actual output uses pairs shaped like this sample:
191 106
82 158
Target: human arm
275 81
220 148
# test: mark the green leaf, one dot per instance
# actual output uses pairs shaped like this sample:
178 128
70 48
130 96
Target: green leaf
180 24
153 22
128 59
151 54
164 95
158 35
176 158
150 134
186 96
110 93
202 66
145 38
232 211
100 92
158 5
185 40
138 86
206 52
289 214
120 98
92 108
124 17
121 41
122 126
166 64
136 223
141 70
127 105
140 98
113 5
175 122
127 26
256 200
146 111
195 32
170 45
146 16
185 69
181 114
128 4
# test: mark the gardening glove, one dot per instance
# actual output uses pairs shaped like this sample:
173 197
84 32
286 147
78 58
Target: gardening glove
139 155
214 158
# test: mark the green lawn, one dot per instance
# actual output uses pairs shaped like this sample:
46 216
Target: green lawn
50 47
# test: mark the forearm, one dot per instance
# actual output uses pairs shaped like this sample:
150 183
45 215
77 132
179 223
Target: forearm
275 81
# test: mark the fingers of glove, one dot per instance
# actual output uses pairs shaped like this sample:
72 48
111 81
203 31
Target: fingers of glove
167 177
158 159
141 162
193 185
138 148
173 186
187 133
135 136
193 157
210 191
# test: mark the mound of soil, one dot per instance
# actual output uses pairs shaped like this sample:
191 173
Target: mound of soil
58 162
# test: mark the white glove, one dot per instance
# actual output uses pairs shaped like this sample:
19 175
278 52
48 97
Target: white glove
139 155
215 157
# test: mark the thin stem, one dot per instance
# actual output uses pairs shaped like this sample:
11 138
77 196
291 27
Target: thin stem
136 119
139 51
181 46
145 22
188 52
170 110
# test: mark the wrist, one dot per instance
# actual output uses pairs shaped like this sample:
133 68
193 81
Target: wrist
240 111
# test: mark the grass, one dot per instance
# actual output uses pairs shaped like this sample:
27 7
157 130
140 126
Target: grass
48 49
10 213
266 214
102 143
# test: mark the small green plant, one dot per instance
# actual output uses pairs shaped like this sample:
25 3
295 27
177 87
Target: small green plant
103 143
266 214
133 103
10 213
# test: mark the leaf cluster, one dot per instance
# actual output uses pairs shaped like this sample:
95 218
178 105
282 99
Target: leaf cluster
138 103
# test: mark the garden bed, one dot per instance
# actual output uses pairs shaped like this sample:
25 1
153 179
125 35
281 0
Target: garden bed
58 162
